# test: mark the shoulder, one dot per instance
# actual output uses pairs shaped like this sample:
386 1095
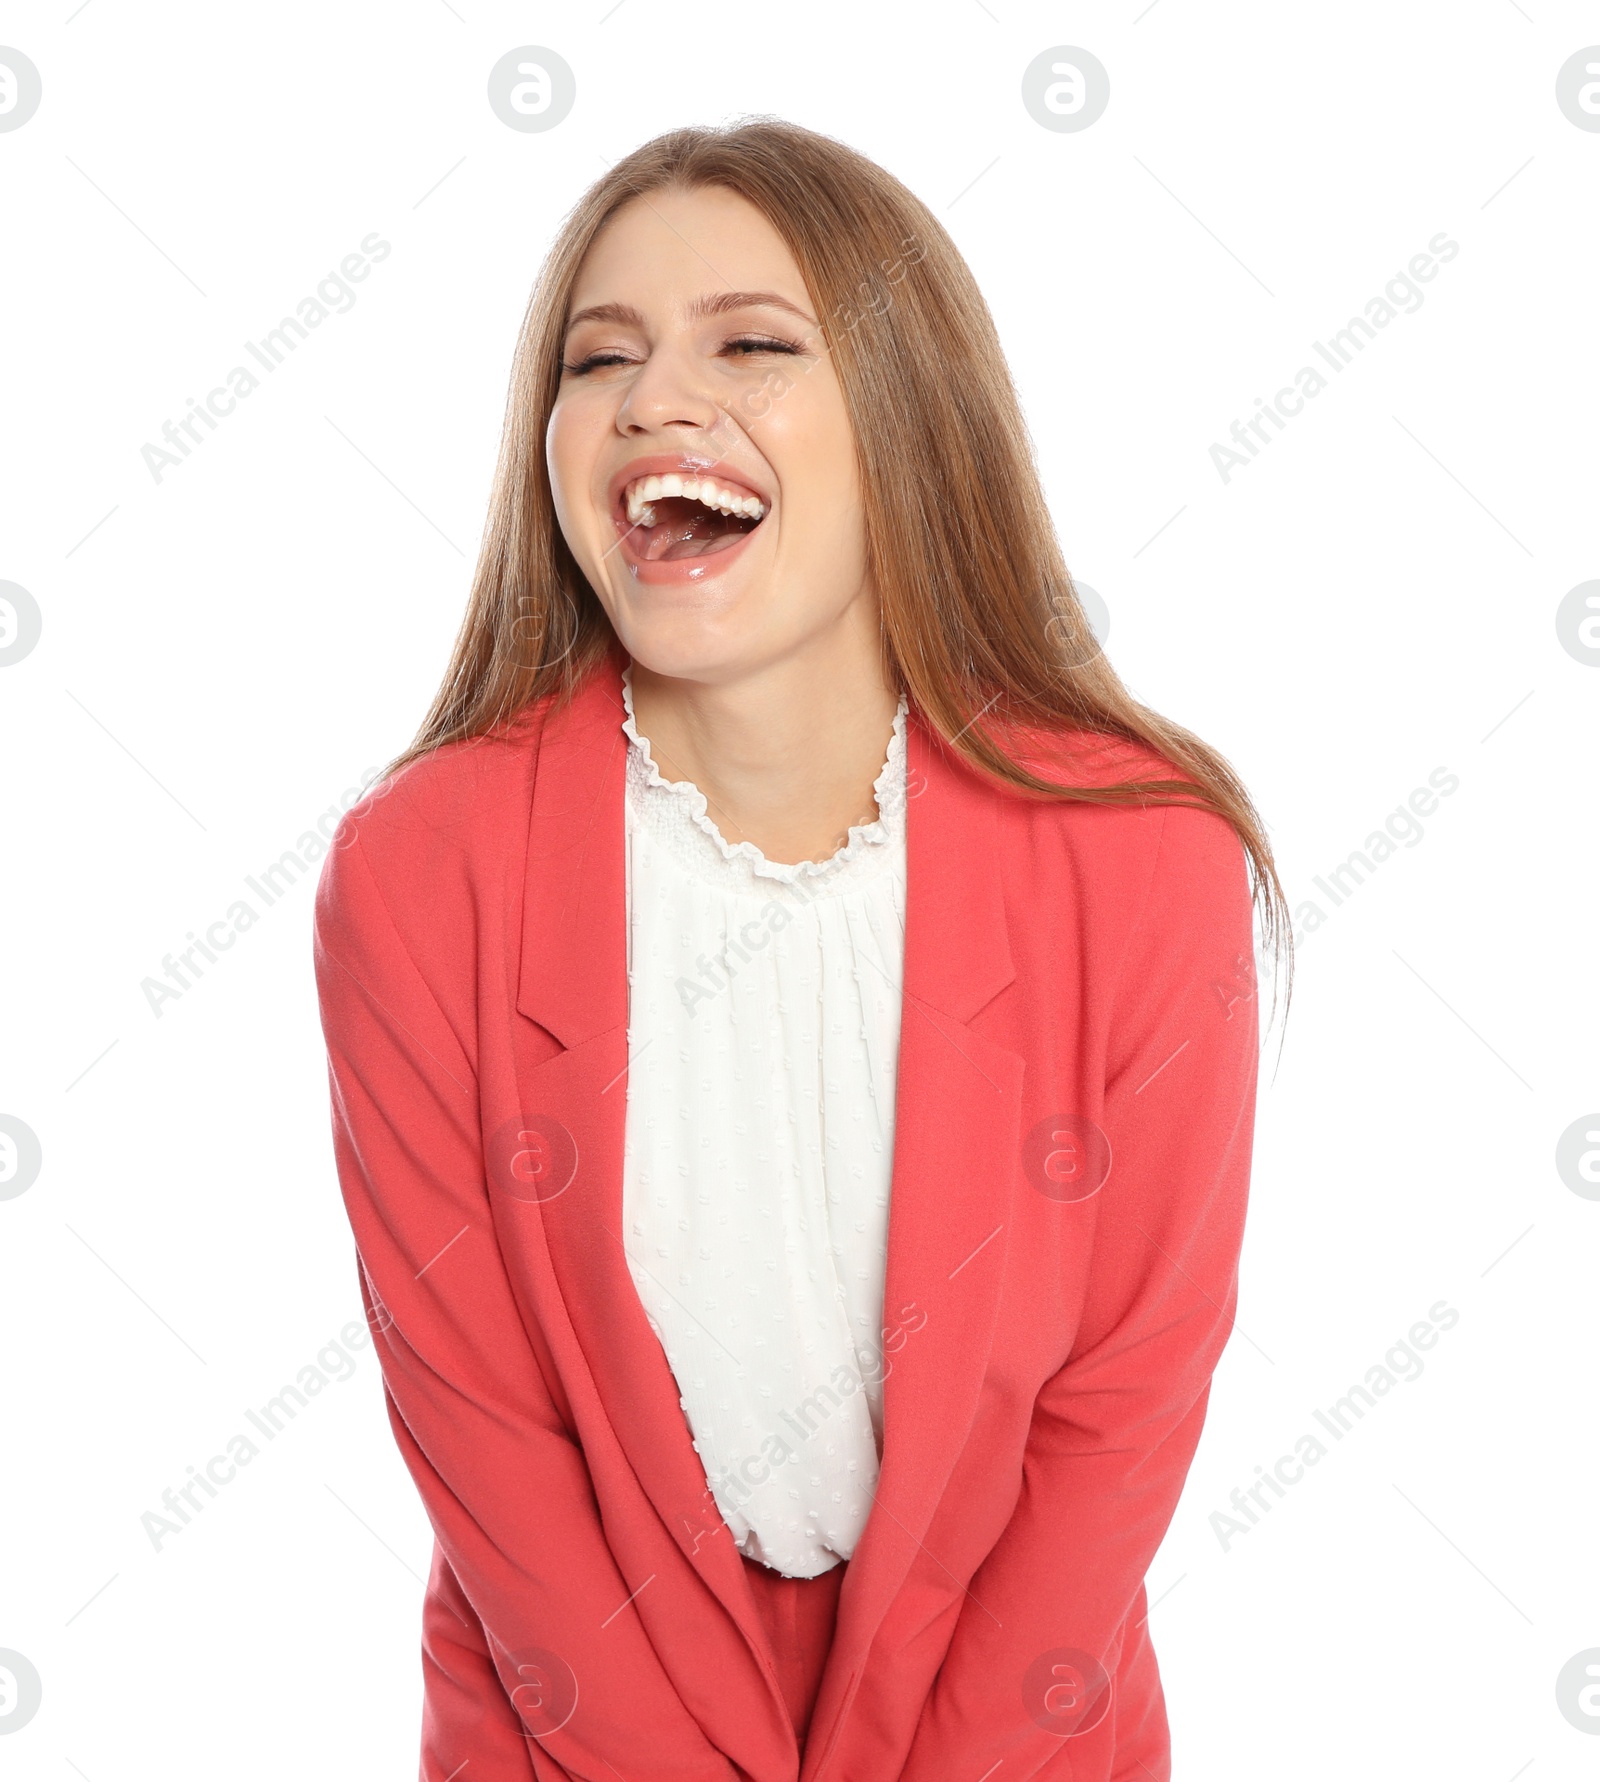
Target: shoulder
1120 890
451 794
1141 838
423 839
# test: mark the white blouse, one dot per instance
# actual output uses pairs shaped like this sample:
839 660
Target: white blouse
763 1039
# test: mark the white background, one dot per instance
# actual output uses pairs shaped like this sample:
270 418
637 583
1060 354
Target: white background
226 651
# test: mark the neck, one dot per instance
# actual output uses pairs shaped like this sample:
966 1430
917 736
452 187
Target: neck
786 754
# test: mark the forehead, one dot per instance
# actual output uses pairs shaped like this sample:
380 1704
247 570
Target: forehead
665 248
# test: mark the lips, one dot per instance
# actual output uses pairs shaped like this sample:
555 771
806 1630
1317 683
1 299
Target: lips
683 517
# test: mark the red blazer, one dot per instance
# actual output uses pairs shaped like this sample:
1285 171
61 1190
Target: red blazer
1072 1142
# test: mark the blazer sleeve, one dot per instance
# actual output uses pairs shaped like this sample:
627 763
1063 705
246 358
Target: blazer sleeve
504 1483
1114 1431
464 1707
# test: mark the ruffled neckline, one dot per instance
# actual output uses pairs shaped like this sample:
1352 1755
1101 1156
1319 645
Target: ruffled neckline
888 791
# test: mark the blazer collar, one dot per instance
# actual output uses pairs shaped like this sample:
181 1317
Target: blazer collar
958 1099
573 975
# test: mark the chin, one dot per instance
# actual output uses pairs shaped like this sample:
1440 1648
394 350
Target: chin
691 651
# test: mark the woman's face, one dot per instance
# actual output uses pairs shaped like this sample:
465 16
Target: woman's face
701 457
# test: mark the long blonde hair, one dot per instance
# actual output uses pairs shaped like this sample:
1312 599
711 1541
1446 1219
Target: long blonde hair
981 623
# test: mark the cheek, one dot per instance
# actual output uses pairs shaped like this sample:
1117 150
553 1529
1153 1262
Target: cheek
572 448
808 441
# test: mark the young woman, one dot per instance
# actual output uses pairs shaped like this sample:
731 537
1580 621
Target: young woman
793 1038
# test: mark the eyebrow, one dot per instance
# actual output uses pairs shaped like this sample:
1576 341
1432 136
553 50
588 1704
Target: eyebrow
716 303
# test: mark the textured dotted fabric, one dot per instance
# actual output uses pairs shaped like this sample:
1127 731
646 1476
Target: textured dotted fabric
763 1040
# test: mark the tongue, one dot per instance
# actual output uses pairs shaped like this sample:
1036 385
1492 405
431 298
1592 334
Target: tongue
684 528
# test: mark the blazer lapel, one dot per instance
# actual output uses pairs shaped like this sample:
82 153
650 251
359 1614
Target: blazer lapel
957 1107
573 982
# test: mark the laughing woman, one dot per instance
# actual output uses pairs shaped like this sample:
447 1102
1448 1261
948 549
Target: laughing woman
793 1038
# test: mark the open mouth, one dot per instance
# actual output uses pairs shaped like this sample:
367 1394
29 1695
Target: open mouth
674 518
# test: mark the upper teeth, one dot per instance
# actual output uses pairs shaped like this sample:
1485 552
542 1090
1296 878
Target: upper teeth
702 489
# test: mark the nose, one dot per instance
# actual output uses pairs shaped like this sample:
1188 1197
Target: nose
669 394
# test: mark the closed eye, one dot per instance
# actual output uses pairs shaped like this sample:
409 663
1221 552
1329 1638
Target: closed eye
743 345
594 361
